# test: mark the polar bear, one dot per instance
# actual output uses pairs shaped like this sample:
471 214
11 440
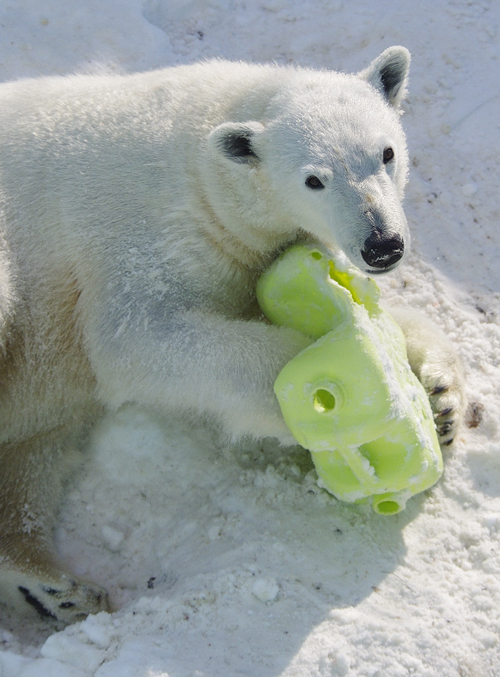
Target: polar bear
137 213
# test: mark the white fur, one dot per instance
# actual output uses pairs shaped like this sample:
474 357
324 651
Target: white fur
137 213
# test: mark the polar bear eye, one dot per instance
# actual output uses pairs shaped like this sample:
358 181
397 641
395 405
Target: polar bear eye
388 155
314 183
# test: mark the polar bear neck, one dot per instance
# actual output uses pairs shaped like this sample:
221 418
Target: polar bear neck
251 246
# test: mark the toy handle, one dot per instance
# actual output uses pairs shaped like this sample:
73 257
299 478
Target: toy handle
358 465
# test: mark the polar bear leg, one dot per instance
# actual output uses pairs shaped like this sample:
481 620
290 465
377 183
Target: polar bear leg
439 369
30 580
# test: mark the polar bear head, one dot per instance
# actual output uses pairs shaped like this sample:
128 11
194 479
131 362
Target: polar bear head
328 156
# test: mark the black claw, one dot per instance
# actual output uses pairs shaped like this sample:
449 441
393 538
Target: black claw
66 605
445 428
35 603
51 591
445 412
447 444
438 389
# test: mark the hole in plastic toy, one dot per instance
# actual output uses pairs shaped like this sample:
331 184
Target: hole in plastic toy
317 255
323 401
388 507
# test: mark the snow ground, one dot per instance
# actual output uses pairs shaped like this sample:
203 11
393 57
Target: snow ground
231 561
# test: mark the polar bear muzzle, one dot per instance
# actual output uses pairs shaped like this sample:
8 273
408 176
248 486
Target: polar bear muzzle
383 252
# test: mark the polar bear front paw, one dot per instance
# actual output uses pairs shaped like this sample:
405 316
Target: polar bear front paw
69 600
446 396
446 414
437 366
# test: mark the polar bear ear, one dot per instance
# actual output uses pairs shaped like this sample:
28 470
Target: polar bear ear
389 74
236 141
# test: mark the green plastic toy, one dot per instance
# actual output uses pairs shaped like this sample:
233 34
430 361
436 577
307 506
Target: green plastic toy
350 397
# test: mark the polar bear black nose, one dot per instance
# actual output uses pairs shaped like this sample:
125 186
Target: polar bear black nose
382 252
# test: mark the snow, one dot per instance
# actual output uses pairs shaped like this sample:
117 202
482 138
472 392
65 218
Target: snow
230 560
